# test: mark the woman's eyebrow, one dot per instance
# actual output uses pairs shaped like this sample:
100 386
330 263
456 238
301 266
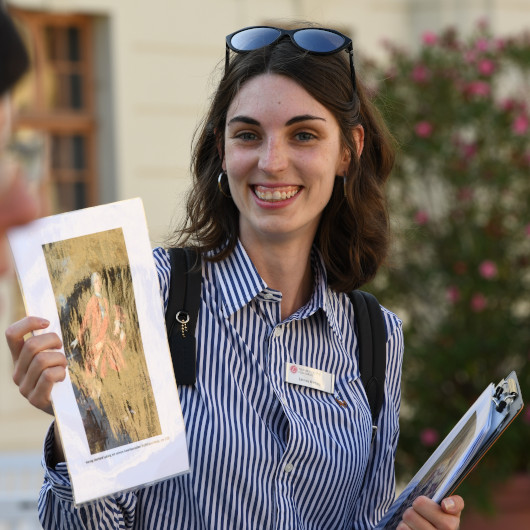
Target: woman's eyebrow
303 117
296 119
243 119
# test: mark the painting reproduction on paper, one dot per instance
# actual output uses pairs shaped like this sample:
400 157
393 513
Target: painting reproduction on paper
93 290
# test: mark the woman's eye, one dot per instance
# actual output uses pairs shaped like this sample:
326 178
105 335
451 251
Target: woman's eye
247 136
305 136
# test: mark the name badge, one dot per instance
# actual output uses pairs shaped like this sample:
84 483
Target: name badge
297 374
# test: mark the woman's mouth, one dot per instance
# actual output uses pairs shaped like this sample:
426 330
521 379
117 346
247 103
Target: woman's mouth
283 193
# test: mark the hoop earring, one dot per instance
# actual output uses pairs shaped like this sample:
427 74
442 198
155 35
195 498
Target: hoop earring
220 185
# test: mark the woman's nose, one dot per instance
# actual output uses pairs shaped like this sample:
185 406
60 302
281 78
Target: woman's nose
274 157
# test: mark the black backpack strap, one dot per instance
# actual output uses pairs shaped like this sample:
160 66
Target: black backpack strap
182 311
371 334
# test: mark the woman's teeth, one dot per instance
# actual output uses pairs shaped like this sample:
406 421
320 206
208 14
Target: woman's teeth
275 195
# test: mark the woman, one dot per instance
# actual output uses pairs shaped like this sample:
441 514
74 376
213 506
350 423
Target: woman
289 213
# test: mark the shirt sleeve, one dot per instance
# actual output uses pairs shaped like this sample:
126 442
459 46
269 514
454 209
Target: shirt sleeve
57 510
379 482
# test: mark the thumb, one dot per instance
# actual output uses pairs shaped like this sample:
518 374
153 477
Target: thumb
453 505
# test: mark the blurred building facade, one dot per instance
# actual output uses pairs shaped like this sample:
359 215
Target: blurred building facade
119 86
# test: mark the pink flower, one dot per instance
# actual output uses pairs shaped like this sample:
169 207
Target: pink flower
421 217
507 104
420 73
482 45
429 437
527 230
520 124
488 269
479 88
423 129
470 150
453 294
429 38
478 302
486 67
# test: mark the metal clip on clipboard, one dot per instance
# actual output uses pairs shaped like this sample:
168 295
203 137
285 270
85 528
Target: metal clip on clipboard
506 393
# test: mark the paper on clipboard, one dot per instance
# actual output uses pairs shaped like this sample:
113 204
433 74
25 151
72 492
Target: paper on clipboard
91 273
462 448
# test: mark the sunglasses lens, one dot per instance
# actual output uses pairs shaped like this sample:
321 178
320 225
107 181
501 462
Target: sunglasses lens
254 38
318 40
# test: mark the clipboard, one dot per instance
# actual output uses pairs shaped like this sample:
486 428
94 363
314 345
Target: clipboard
462 449
508 403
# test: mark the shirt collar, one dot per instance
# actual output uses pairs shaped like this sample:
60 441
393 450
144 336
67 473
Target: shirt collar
240 282
238 279
323 296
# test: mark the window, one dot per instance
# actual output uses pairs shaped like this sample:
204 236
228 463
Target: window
56 101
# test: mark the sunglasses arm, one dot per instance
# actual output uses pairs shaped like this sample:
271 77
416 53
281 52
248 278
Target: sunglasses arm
352 69
227 58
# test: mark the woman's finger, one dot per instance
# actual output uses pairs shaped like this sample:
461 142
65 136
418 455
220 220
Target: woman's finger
40 397
16 332
413 520
30 349
435 515
453 505
40 364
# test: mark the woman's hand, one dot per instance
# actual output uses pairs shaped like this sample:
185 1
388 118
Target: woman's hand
37 363
426 514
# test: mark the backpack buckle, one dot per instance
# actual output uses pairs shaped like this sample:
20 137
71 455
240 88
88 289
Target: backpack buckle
183 318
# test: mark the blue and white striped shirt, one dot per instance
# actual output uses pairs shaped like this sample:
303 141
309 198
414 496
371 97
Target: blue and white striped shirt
264 453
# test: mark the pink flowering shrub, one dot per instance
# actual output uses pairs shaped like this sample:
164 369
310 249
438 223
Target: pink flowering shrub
423 129
429 437
459 272
488 269
478 302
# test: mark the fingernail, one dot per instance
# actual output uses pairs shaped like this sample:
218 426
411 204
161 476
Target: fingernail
449 504
44 323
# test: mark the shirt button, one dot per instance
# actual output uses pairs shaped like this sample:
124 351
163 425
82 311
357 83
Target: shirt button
268 296
278 331
288 467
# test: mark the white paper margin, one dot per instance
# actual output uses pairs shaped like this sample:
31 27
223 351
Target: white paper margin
138 463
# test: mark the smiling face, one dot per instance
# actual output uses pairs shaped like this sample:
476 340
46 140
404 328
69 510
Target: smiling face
282 155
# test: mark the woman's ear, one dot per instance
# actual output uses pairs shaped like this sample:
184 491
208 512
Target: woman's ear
220 148
358 138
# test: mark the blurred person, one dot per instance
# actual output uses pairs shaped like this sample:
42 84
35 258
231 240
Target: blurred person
289 214
17 204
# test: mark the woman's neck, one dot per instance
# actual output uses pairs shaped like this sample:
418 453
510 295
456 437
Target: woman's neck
285 267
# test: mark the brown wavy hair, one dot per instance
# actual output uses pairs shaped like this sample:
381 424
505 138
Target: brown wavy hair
353 234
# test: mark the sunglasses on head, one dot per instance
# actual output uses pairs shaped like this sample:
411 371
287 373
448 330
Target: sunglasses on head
317 41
